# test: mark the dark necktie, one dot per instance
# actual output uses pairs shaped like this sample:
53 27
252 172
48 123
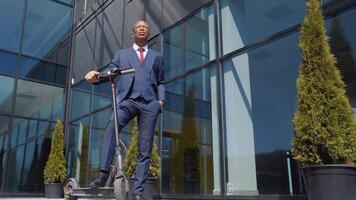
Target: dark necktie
141 53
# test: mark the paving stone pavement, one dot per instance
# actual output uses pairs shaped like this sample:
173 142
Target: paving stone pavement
42 198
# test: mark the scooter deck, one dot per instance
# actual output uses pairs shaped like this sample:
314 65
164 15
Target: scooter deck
100 192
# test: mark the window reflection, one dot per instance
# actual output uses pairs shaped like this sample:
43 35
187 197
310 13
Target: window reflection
6 90
190 43
44 71
101 96
77 150
246 21
47 25
4 135
100 120
28 154
341 30
8 63
67 1
11 15
80 103
260 97
39 100
190 136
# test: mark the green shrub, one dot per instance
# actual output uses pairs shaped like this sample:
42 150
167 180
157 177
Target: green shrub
130 162
325 130
55 170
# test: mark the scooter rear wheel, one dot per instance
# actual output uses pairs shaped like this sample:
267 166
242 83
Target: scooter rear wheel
121 188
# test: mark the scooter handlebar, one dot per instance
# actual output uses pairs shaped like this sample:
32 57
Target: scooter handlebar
116 72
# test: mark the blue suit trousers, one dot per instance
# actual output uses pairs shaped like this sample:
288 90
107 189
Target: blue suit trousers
147 114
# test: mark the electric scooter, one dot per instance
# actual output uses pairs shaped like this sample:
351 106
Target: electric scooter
117 185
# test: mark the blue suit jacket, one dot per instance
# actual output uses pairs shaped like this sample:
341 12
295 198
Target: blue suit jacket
127 58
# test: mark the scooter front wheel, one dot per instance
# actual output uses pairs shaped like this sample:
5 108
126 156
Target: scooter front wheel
121 190
68 188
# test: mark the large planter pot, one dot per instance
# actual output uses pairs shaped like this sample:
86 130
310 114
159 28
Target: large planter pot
54 190
151 188
330 182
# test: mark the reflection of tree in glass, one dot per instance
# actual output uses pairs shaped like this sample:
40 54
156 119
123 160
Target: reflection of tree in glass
84 156
186 161
30 183
38 163
342 50
2 154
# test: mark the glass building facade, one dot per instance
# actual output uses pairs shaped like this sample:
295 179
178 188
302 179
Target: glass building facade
230 73
35 39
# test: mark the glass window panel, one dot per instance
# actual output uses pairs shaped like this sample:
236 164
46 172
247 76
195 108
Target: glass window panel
341 31
41 153
62 56
77 150
30 161
174 35
246 21
200 32
44 71
14 169
47 27
35 153
191 43
22 130
197 41
67 1
84 51
109 34
14 136
39 100
102 96
155 44
32 128
260 95
45 128
11 15
191 136
80 103
325 1
84 85
8 63
6 91
4 124
193 59
100 120
173 60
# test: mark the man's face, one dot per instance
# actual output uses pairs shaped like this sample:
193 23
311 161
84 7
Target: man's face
141 31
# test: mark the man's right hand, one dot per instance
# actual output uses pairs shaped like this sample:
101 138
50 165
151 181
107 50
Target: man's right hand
92 76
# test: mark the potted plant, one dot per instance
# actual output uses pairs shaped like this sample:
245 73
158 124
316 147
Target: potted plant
130 162
55 169
325 140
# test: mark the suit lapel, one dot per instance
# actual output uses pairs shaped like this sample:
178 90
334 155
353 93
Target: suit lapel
135 62
133 59
148 61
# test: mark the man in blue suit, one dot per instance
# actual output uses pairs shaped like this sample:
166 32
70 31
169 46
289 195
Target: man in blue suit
141 94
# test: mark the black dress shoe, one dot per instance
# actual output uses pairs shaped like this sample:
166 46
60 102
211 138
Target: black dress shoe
139 197
100 180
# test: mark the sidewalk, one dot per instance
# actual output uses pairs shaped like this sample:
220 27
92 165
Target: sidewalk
42 198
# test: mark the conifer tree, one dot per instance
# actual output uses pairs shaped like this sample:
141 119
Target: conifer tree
130 162
325 130
55 170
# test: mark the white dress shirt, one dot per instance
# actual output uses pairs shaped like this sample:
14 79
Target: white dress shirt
136 47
